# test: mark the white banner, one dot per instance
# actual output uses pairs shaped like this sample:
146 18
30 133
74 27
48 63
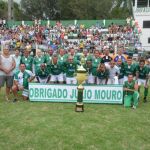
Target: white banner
68 93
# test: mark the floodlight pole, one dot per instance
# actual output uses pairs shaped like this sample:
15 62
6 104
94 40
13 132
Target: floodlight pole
10 10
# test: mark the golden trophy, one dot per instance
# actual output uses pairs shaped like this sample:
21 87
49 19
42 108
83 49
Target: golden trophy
81 77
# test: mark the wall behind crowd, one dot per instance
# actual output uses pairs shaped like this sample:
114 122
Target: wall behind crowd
87 23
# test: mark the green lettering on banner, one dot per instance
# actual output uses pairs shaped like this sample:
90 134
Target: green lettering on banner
89 94
41 93
31 92
97 94
103 95
54 94
36 92
119 95
49 94
65 93
60 93
113 95
108 94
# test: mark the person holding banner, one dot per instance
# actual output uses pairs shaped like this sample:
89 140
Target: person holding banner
21 82
42 74
102 74
131 95
142 72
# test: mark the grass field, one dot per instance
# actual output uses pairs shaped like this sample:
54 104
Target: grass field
56 126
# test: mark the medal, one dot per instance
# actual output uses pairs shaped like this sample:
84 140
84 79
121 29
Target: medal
26 59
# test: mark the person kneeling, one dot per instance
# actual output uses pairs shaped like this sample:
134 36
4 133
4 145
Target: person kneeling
21 81
131 95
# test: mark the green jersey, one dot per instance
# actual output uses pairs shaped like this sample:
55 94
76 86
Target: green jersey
88 68
95 64
122 71
56 69
48 59
37 62
42 73
129 69
71 69
143 72
103 75
28 61
129 86
83 59
22 77
62 59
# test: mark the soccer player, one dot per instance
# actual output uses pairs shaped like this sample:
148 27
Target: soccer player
102 74
38 60
56 70
42 74
142 72
88 67
129 68
21 81
96 60
131 95
71 69
106 58
17 59
120 65
113 73
27 60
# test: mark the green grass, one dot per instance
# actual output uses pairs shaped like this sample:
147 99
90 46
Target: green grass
56 126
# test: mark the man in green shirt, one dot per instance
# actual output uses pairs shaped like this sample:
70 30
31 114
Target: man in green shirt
71 69
131 95
129 68
142 72
21 81
38 60
96 60
27 60
56 70
42 74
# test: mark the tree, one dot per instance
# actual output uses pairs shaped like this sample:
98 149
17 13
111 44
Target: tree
42 9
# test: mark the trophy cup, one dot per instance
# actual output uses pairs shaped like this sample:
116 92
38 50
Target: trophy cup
81 77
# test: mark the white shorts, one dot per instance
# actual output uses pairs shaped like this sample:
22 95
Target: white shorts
57 78
113 80
91 79
25 93
121 81
100 81
142 82
71 80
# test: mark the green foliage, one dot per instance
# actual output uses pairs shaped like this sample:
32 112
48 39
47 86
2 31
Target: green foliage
75 9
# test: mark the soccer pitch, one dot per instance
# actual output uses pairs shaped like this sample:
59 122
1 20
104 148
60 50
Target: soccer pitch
56 126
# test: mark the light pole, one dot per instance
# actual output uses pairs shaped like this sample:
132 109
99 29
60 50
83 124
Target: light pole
10 10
